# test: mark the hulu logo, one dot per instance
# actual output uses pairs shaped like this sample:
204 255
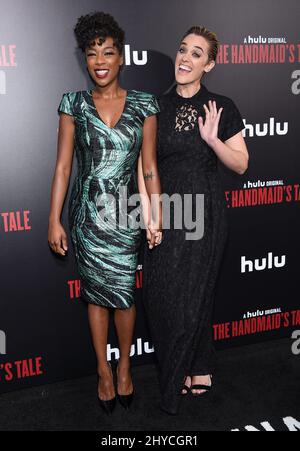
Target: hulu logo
135 57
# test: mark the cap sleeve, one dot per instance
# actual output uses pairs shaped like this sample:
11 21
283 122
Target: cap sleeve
65 105
231 121
152 107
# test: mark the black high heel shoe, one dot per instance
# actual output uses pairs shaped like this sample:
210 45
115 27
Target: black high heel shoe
207 388
124 400
185 387
107 406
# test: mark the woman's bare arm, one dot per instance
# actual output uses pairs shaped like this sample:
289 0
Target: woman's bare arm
145 202
150 170
146 207
57 237
233 152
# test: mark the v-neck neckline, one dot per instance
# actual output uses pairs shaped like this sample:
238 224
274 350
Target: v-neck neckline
90 92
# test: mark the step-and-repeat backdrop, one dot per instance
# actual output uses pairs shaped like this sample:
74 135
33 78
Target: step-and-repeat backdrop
44 333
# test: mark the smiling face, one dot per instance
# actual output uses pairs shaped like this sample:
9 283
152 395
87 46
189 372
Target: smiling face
192 60
103 62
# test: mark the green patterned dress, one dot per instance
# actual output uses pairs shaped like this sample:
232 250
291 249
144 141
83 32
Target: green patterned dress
106 250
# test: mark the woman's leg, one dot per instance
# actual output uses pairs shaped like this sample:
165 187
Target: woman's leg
99 323
204 361
205 355
125 323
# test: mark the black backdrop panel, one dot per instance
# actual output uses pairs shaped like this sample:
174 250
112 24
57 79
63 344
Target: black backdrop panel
44 334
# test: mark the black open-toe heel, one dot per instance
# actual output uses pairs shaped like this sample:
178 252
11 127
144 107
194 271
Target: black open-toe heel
207 388
107 406
186 388
124 400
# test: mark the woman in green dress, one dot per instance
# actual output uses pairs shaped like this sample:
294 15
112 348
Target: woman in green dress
113 132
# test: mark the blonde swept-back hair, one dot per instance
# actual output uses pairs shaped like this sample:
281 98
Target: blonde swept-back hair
210 37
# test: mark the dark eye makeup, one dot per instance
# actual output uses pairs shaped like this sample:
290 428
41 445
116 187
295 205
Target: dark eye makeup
183 49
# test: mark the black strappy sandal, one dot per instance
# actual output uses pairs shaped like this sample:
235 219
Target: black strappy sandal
207 388
185 387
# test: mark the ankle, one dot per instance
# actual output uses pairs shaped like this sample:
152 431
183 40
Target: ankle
124 363
104 369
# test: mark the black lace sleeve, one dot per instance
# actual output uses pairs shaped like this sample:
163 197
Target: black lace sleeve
231 121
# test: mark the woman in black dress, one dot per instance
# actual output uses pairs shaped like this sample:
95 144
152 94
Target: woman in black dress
196 129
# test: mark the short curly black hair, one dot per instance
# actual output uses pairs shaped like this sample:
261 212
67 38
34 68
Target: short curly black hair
98 25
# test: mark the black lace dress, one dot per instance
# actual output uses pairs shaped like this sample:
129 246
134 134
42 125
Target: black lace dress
180 275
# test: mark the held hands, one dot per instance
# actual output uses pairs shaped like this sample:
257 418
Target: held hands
58 242
154 235
57 238
209 130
